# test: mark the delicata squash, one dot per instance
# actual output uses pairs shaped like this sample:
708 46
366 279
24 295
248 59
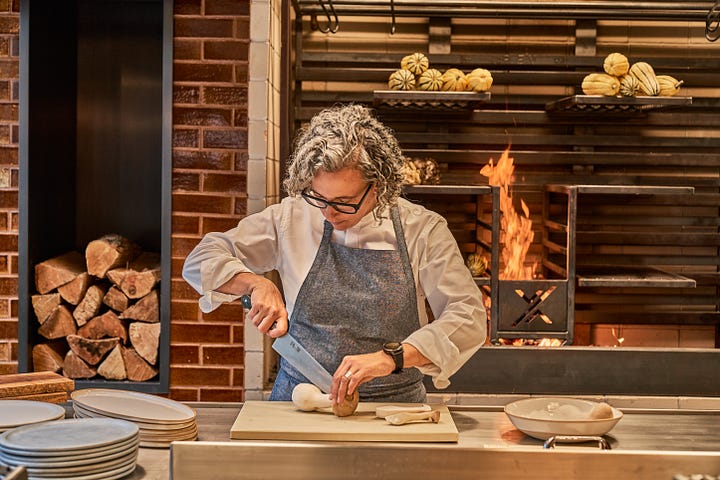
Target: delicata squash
600 84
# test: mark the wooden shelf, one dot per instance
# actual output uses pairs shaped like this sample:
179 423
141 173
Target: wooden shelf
423 100
448 189
604 104
623 189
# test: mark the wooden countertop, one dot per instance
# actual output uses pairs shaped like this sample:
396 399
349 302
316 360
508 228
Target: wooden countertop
485 427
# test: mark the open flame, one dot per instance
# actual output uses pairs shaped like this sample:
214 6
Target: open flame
516 234
516 237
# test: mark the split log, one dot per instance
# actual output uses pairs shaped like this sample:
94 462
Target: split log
147 309
113 367
75 367
109 251
145 337
58 271
89 306
46 358
106 325
43 305
139 278
74 291
59 324
116 299
138 370
92 351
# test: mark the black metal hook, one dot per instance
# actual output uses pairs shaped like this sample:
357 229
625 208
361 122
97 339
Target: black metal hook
392 17
712 22
333 23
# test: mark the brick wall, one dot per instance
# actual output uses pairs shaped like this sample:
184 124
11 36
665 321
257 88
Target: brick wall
210 107
9 66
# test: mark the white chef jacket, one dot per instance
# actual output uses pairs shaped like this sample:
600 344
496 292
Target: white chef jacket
286 236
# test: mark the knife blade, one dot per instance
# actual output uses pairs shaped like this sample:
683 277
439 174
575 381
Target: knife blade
293 351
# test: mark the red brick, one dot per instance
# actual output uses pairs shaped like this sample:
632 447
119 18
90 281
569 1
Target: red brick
8 155
9 328
241 206
202 160
227 50
4 264
242 27
241 160
200 376
186 94
203 27
187 7
5 94
186 182
9 287
8 111
218 224
227 7
14 264
225 139
185 394
7 368
240 118
201 203
235 96
184 311
14 307
241 72
230 312
222 355
232 183
181 290
185 224
5 310
238 377
176 266
8 242
9 24
183 246
184 354
8 199
200 333
221 395
238 334
185 137
14 221
202 72
4 222
198 116
187 49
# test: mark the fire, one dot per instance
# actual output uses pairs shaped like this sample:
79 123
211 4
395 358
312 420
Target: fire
516 234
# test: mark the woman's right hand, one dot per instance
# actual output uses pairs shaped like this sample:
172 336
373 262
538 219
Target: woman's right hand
268 312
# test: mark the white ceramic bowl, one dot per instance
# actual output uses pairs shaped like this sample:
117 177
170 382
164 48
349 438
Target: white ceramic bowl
545 417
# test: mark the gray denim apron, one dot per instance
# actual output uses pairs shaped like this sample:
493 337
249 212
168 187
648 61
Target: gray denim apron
352 301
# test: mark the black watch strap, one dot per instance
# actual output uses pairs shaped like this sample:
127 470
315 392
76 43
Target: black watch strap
395 350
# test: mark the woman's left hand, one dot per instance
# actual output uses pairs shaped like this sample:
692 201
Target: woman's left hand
357 369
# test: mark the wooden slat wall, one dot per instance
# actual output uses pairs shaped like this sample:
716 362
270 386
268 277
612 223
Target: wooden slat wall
534 62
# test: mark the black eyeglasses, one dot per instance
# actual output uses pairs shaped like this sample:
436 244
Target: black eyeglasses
348 208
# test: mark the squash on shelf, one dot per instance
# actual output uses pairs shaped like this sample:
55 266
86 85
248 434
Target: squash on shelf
629 86
401 80
454 80
616 64
416 63
479 80
669 86
645 75
431 80
600 84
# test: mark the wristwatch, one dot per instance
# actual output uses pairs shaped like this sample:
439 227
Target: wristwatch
395 350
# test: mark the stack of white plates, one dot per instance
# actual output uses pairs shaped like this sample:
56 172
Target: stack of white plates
16 413
161 421
81 449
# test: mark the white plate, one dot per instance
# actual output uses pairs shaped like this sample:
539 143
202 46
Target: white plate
72 454
70 461
133 405
71 436
543 418
113 474
14 413
83 411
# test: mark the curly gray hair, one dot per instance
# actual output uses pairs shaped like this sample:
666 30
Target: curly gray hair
348 136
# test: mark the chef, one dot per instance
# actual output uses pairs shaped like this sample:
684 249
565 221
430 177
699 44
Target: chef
357 264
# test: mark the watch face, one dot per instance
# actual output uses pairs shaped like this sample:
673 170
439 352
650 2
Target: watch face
392 346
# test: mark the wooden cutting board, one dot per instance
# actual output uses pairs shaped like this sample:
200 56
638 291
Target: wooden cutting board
24 385
260 420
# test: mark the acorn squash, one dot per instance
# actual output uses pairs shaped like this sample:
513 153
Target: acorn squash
416 63
401 80
454 80
629 86
479 80
431 79
646 77
616 64
600 84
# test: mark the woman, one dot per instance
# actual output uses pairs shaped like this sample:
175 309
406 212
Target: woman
357 263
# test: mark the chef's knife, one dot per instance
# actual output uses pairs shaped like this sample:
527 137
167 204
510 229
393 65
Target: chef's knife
292 351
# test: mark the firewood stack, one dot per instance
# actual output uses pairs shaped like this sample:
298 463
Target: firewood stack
99 313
